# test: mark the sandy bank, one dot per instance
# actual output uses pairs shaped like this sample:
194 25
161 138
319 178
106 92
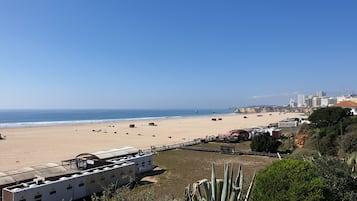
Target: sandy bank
38 145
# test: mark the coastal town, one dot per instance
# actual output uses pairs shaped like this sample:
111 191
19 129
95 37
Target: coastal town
307 103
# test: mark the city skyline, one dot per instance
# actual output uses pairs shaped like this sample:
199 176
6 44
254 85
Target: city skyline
181 54
320 99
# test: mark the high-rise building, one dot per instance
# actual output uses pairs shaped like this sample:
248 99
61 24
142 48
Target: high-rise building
308 101
321 94
332 101
301 100
292 103
324 101
316 101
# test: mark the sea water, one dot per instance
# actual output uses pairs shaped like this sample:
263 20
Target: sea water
31 118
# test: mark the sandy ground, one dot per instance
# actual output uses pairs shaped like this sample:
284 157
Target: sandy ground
40 145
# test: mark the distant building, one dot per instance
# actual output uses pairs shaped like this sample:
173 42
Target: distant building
351 97
324 101
328 101
234 136
341 98
321 94
308 101
316 101
321 100
287 123
292 103
348 104
272 131
332 101
301 100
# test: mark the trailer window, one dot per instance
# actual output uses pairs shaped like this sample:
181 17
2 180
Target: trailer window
38 197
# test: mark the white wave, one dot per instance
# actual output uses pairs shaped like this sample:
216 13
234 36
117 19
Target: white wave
55 123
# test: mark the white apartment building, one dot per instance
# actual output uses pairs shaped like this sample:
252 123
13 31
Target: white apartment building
308 101
321 100
324 101
347 98
316 101
301 100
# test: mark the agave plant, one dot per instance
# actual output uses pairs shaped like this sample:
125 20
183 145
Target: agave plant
352 161
226 189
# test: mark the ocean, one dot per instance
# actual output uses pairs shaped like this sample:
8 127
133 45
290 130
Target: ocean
32 118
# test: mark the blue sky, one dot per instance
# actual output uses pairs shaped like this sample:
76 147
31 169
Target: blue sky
173 53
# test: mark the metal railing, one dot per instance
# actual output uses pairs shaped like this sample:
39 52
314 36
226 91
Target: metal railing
154 149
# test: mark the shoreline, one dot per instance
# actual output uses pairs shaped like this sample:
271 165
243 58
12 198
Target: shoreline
96 121
51 144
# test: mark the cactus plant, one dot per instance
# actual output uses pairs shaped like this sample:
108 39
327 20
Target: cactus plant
226 189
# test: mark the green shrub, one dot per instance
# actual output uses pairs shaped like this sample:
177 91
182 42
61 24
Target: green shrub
264 143
124 193
348 142
303 153
323 140
289 179
337 178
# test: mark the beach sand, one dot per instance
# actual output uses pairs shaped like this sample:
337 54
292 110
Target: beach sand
40 145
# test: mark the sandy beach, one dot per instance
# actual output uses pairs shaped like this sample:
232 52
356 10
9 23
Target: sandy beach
39 145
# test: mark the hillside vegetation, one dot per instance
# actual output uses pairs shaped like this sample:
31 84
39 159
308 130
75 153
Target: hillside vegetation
323 169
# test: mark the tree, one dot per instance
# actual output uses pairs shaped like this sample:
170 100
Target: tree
264 143
329 116
289 179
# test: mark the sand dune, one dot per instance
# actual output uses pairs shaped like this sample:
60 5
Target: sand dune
39 145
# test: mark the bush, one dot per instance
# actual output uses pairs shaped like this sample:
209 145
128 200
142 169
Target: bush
337 178
328 144
264 143
124 193
323 140
348 142
289 179
304 153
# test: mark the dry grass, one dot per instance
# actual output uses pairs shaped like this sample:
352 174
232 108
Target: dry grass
181 167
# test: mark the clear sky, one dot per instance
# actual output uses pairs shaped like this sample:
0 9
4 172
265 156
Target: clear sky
173 53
